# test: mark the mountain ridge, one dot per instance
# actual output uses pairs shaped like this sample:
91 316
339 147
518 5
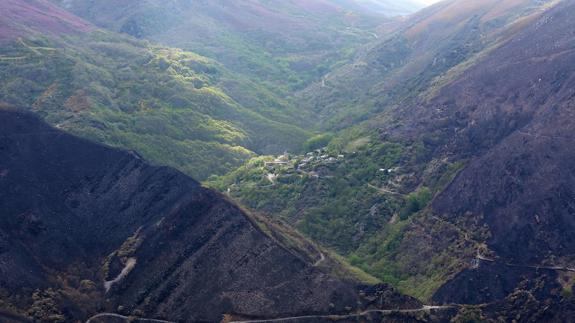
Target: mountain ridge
166 103
167 240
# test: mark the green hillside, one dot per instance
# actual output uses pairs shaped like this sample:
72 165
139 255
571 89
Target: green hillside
356 196
170 105
367 193
284 44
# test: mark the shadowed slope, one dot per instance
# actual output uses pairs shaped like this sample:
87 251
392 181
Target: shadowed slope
76 215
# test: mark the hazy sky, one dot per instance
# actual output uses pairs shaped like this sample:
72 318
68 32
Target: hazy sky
428 2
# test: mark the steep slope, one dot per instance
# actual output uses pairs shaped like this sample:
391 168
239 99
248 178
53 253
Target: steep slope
515 134
411 56
86 228
170 105
498 125
523 124
288 43
346 202
514 129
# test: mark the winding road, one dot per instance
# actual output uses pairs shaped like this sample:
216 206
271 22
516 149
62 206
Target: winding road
425 308
127 318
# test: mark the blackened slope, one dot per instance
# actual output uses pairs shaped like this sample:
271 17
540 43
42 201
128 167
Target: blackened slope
508 115
216 262
511 115
404 63
521 125
66 201
69 200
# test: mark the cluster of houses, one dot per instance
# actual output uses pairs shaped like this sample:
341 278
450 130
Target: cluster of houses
283 160
306 164
318 157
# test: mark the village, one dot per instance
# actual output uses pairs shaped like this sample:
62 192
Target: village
316 164
313 164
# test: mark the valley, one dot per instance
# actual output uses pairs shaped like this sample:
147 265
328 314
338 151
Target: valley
287 161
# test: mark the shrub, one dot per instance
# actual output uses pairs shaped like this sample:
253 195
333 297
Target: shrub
317 142
416 202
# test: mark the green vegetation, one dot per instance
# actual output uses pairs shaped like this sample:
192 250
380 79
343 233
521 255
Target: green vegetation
357 196
171 106
415 202
330 197
282 46
317 142
289 238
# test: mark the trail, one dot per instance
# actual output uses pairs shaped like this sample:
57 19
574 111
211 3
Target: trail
127 269
384 191
12 58
425 308
536 267
321 259
525 133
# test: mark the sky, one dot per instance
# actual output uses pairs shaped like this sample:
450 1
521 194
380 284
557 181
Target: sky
429 2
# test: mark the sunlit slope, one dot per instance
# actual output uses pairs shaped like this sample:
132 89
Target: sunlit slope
287 44
173 107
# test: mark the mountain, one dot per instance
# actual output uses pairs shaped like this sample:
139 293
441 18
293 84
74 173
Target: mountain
345 209
175 107
512 133
457 188
412 56
88 229
444 170
515 133
288 43
505 115
204 116
383 7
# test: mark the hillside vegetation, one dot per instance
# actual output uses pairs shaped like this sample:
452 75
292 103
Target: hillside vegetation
285 45
357 196
168 104
373 204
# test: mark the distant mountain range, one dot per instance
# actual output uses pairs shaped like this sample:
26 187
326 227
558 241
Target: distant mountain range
384 7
